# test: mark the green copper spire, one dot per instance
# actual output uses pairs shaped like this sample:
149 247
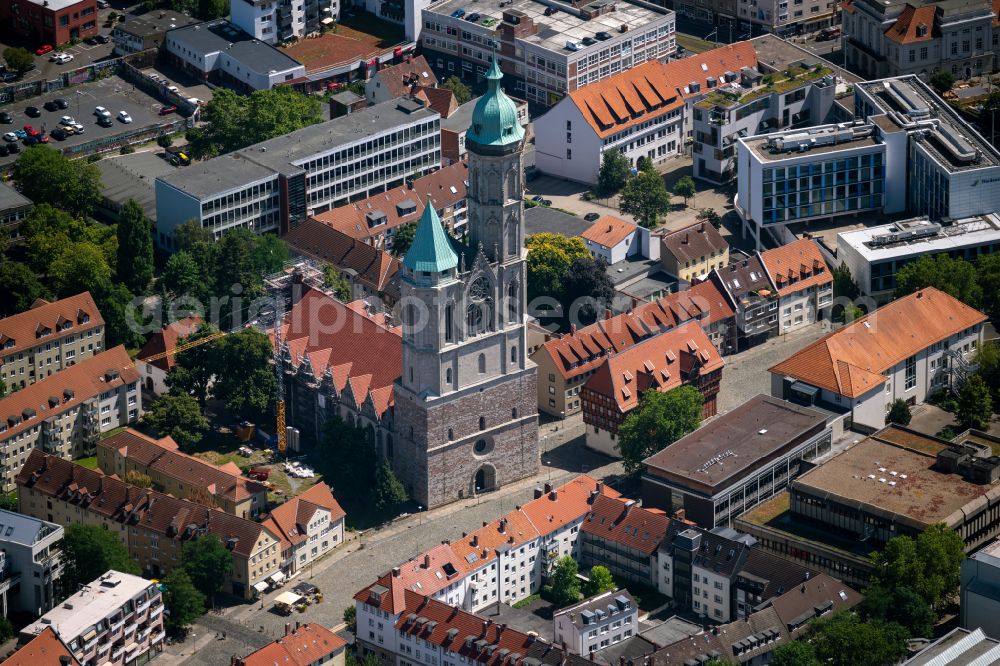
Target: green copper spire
431 251
494 120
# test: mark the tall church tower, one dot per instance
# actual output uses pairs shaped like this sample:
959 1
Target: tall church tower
465 407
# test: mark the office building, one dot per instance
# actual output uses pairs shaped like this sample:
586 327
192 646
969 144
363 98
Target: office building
141 32
980 590
681 356
273 185
153 526
66 413
284 20
310 525
693 252
803 283
623 537
734 462
49 337
546 52
30 563
220 53
46 645
875 254
597 622
906 350
50 22
117 619
308 644
14 209
566 361
179 474
895 37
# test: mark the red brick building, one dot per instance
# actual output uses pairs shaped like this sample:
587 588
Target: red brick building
49 21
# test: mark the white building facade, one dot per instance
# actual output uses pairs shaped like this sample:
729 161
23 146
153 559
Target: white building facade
597 623
30 563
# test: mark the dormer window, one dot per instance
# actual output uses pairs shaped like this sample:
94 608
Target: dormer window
921 30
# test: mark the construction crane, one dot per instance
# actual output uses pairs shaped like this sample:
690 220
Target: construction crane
279 406
187 345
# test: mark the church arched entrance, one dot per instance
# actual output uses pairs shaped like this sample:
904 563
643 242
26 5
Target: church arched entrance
485 479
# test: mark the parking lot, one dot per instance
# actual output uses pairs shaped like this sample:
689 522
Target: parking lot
113 93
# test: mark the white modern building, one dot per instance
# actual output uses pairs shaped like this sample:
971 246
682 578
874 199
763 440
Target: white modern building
273 185
596 623
875 254
980 590
30 563
275 21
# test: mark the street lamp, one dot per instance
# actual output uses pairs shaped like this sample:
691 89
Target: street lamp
420 516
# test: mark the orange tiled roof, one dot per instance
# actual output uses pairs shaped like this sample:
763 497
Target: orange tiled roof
654 88
23 330
165 340
306 644
289 519
441 100
45 649
625 522
608 231
661 362
398 79
915 24
796 266
851 361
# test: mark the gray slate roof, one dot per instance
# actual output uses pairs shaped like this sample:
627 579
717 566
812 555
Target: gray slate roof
221 35
11 198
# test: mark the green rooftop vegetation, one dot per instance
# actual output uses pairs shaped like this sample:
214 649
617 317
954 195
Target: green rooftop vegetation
778 82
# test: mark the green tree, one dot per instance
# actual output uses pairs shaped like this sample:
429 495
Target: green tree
659 421
599 581
195 366
212 9
586 278
928 565
268 253
179 417
645 197
237 121
247 386
45 174
899 413
350 617
80 267
901 605
190 233
90 551
549 257
565 584
975 405
238 272
3 394
988 276
389 491
987 362
337 283
459 89
6 629
208 562
402 238
20 288
941 80
613 174
794 653
711 216
955 277
844 640
844 284
185 603
181 275
644 164
18 60
136 478
685 187
121 327
49 232
135 248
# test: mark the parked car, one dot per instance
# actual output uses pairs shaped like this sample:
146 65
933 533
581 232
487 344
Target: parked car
10 137
103 4
59 133
603 36
538 198
124 117
13 148
76 127
173 89
9 77
37 138
179 159
67 120
828 33
167 110
61 103
61 58
588 41
103 39
4 151
101 111
105 121
6 118
458 13
592 217
30 131
32 112
20 134
42 50
92 40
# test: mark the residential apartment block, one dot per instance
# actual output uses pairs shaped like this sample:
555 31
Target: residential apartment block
623 537
309 644
49 337
153 526
545 51
310 525
181 475
276 21
566 362
116 619
30 562
272 186
980 582
875 254
693 252
895 37
746 284
697 569
399 80
14 209
906 350
66 413
596 623
803 283
680 356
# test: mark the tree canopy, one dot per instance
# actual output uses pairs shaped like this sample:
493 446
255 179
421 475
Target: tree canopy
178 416
460 90
182 598
549 257
975 404
599 580
794 653
565 584
645 197
44 174
613 173
685 187
389 491
711 216
899 413
928 565
845 640
88 552
20 286
244 377
658 421
955 277
135 248
587 289
402 238
941 80
987 366
208 562
335 281
195 366
18 59
901 605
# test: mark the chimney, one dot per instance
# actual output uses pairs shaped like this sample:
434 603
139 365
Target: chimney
554 495
538 492
686 238
593 496
475 541
679 514
486 625
607 313
572 328
548 487
395 572
288 628
600 486
297 625
233 661
503 525
427 561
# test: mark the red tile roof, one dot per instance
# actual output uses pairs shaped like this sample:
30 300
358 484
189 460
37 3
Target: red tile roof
399 79
915 24
851 361
663 362
45 649
796 266
305 644
69 315
625 522
66 389
165 340
289 519
694 242
441 100
609 231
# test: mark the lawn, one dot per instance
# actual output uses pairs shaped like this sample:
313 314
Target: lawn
527 601
694 44
89 463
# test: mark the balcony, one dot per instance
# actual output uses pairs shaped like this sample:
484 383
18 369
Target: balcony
155 612
117 652
157 637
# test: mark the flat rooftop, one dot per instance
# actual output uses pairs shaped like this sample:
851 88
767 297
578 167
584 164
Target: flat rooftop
968 232
894 476
154 22
219 174
221 35
133 177
347 45
776 53
92 603
555 30
960 647
760 145
734 444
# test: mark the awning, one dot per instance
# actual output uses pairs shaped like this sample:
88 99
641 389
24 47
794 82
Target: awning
90 635
327 21
261 586
277 576
288 598
131 646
